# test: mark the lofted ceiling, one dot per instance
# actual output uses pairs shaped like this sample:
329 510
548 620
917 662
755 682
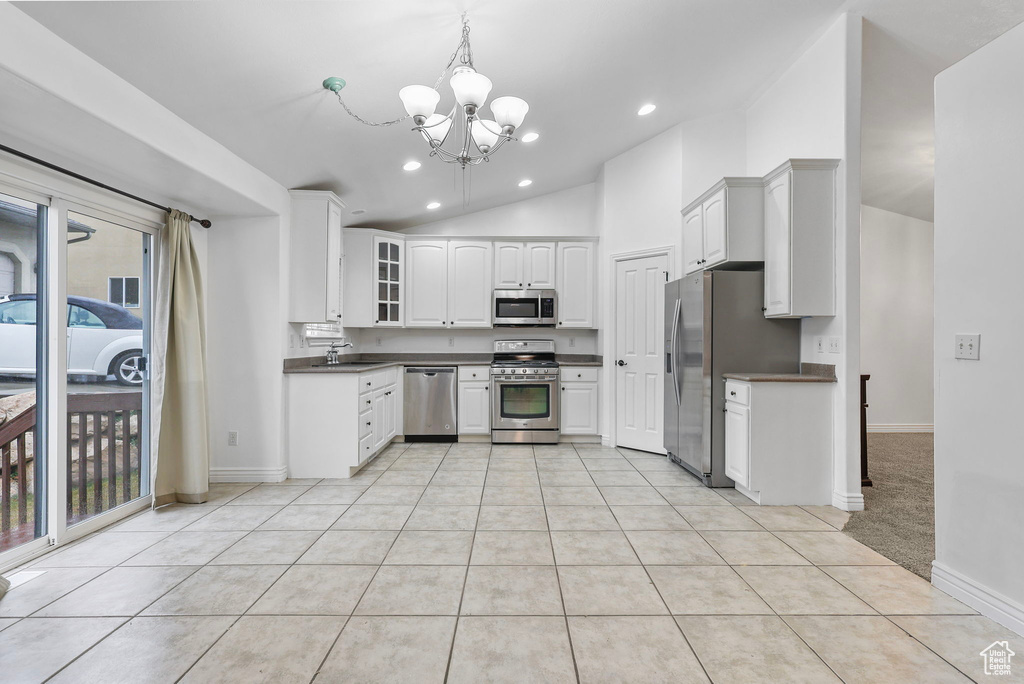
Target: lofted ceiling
248 75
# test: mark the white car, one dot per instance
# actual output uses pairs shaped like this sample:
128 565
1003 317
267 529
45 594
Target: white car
103 338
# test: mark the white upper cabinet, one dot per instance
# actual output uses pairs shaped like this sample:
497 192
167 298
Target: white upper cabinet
374 277
799 235
389 291
508 265
693 239
575 285
725 225
539 265
427 272
315 257
449 284
469 280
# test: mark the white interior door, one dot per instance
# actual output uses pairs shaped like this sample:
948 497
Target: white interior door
639 354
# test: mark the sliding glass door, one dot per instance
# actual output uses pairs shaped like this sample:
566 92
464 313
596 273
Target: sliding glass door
108 313
75 311
23 225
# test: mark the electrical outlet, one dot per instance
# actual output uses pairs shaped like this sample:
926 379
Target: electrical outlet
380 341
572 341
451 341
292 340
835 345
302 341
819 344
968 347
232 437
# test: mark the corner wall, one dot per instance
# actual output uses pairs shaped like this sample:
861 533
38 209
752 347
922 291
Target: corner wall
979 467
897 320
813 111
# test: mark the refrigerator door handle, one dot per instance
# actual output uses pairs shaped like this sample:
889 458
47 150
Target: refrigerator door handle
674 355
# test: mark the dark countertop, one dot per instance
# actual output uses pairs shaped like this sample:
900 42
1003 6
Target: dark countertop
777 377
371 362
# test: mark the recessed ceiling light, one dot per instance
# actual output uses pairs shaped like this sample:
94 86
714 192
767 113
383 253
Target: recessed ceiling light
357 212
433 205
530 137
411 166
523 183
646 109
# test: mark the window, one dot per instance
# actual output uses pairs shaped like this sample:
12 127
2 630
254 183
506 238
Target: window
20 312
83 318
123 291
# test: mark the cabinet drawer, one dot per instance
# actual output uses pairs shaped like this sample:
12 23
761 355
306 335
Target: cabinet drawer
365 423
474 373
372 381
579 373
738 392
365 400
365 447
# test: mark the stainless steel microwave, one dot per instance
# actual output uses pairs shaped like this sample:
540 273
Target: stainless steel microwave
524 308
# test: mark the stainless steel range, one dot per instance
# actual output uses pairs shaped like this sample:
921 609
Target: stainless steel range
524 403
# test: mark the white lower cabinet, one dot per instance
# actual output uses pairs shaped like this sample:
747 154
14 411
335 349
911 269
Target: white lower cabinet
474 409
579 400
339 421
778 441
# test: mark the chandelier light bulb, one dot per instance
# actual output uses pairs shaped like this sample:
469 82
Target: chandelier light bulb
420 101
436 127
471 89
485 134
509 111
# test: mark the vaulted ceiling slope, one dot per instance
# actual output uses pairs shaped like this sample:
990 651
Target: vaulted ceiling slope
248 75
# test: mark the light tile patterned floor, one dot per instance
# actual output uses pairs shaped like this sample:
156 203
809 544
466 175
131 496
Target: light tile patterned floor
471 563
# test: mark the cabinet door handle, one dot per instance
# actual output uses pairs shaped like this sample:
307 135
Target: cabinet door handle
732 393
764 308
563 388
367 422
579 375
367 401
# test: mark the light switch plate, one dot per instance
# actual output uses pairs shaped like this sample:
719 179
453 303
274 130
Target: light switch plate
819 344
968 347
835 345
232 437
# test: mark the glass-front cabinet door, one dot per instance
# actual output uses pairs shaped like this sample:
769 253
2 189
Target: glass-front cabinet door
389 291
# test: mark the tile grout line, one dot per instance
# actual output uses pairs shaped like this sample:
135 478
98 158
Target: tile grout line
554 560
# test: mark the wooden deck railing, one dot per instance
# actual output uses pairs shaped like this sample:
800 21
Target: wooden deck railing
102 461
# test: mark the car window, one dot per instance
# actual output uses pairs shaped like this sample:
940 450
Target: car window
83 318
20 312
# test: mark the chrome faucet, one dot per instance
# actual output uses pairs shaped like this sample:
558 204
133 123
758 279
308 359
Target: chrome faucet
332 352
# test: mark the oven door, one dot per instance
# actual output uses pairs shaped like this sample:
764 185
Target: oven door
516 307
524 404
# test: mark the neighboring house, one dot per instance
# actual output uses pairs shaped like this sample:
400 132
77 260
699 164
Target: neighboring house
104 260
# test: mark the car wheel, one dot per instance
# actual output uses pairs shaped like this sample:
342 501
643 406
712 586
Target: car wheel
127 368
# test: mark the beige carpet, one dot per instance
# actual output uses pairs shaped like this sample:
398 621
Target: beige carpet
898 520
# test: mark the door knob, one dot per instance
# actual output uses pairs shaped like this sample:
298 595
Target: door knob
621 362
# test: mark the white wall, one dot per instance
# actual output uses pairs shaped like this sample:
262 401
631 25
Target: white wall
896 319
813 111
244 353
979 468
408 340
564 213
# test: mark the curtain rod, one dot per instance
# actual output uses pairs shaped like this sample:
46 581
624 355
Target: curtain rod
205 223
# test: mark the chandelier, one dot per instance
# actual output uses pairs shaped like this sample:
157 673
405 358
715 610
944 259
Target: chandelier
478 138
471 89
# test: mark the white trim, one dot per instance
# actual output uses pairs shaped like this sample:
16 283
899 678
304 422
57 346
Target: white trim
23 553
901 427
667 251
275 474
107 518
848 501
989 603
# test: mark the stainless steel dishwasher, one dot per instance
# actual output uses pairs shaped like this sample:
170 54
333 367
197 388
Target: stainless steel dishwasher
430 404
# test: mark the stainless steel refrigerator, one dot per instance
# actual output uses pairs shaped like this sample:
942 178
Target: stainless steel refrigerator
714 325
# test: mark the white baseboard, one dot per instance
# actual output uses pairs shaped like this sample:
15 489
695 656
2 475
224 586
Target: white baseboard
848 501
989 603
901 427
248 474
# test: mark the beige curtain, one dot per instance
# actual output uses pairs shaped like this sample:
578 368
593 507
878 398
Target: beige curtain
180 431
